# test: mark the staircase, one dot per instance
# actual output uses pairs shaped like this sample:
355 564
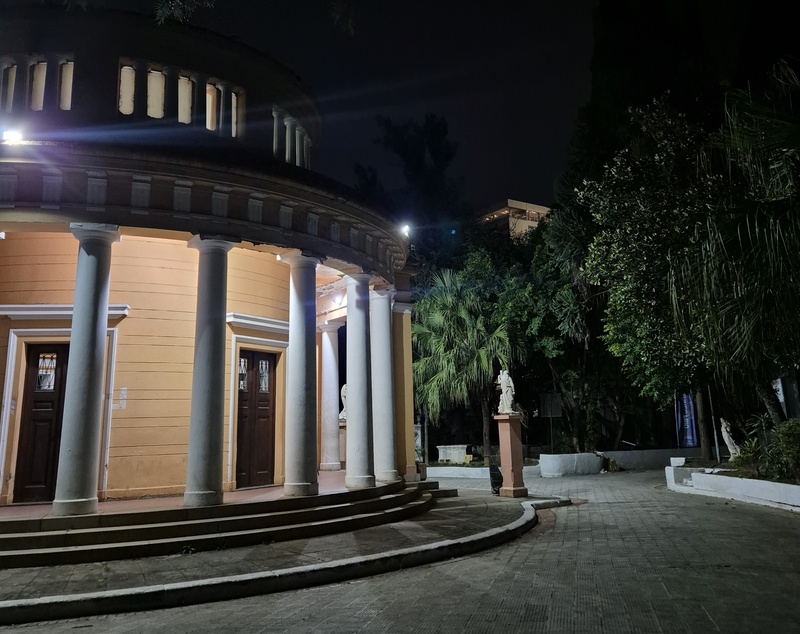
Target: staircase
50 541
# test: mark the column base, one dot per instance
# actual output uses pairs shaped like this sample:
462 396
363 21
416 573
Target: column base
513 492
202 498
387 476
65 508
359 482
300 489
330 466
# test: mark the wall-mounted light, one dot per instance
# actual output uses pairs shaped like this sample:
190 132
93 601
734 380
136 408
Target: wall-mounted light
405 230
338 299
278 257
12 136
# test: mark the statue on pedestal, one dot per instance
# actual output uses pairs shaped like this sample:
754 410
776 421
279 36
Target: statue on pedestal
343 394
506 386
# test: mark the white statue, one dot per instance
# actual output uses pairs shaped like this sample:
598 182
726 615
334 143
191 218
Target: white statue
506 393
733 448
343 413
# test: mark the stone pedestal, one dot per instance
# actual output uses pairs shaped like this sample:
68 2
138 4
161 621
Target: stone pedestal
511 455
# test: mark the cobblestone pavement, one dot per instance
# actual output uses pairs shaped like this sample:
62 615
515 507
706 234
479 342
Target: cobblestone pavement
633 558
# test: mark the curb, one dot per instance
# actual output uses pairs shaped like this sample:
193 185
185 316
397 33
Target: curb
179 594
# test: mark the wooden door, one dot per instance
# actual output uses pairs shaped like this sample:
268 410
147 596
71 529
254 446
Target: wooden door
255 438
40 426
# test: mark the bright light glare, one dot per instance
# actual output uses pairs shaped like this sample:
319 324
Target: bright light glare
338 300
406 230
12 136
278 257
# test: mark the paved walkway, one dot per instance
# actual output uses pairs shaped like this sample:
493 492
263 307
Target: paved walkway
633 558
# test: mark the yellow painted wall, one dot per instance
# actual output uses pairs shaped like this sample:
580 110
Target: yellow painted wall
157 278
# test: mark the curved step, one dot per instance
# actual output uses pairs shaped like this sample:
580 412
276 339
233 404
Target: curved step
184 514
296 525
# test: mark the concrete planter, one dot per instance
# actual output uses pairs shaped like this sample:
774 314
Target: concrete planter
557 465
777 494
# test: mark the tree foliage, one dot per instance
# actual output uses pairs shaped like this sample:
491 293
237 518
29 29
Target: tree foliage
740 279
646 206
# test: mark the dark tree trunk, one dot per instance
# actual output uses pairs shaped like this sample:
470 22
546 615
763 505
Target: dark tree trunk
702 423
620 429
486 414
770 400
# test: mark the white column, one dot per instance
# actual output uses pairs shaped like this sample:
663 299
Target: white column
207 417
277 123
382 385
360 471
301 378
79 454
329 416
289 122
299 135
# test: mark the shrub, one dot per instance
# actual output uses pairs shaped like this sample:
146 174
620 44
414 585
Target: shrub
788 441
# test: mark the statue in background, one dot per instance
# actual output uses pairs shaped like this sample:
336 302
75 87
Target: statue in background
343 394
506 393
733 448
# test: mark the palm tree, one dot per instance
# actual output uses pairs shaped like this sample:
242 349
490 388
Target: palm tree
740 285
457 351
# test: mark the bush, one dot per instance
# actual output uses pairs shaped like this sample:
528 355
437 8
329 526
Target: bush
788 441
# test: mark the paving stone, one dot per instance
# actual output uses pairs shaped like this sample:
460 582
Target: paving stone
633 558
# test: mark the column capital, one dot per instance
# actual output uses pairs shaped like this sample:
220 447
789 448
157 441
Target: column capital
402 307
211 243
277 111
329 326
92 231
289 120
357 278
300 129
382 293
300 260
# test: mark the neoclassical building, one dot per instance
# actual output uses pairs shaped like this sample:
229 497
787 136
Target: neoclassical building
173 274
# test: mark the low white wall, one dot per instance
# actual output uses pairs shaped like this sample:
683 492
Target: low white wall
557 465
777 494
749 490
528 471
649 458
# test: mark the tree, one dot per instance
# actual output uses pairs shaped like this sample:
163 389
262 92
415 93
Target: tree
457 352
739 284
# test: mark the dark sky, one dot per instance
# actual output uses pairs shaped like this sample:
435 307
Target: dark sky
508 75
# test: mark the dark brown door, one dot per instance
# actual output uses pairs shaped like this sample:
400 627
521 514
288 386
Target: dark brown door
40 427
255 439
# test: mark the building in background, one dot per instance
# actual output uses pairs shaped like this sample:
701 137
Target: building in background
514 217
173 274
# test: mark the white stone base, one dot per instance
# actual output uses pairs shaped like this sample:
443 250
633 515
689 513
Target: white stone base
359 482
558 465
299 489
65 508
202 498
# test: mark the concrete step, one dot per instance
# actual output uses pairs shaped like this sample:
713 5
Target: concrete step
183 514
206 526
427 485
234 527
128 550
443 493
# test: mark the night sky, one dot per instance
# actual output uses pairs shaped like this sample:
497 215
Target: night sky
509 77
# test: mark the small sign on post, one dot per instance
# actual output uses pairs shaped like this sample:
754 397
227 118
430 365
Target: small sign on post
550 408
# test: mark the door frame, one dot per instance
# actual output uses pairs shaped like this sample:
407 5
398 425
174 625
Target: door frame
259 344
15 372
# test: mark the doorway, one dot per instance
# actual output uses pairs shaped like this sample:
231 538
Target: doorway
40 425
255 437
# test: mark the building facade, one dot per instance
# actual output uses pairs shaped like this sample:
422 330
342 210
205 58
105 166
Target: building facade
173 274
